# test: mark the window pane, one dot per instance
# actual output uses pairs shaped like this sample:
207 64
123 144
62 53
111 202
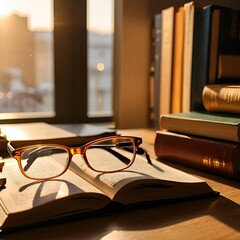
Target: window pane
26 57
100 56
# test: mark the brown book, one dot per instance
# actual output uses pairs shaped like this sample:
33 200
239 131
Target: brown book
22 134
214 156
222 98
229 67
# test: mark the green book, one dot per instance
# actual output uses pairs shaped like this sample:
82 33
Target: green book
219 126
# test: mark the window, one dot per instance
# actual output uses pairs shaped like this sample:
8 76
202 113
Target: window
47 64
26 63
100 26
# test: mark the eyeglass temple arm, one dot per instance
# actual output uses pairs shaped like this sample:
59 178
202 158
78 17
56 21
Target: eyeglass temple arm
35 154
126 146
108 148
140 151
122 158
30 161
10 148
125 160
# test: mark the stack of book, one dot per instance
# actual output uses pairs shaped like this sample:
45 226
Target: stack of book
207 141
201 127
196 50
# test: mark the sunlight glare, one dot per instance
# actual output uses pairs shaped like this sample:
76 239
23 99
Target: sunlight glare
5 8
100 16
39 13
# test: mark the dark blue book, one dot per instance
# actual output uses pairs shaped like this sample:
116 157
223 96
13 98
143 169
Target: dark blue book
200 60
227 50
229 47
157 63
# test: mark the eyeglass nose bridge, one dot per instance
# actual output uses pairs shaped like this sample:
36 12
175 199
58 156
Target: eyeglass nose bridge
77 150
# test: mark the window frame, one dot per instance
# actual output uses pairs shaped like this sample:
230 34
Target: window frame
70 66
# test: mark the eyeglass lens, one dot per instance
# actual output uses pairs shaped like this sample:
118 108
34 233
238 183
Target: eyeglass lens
111 155
44 162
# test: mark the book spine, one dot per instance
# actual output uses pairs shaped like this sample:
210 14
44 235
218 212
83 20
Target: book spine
229 46
217 157
151 79
213 59
210 125
201 56
168 16
187 55
222 98
177 78
229 42
157 64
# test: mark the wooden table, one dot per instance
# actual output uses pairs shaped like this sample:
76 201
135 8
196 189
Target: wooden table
211 218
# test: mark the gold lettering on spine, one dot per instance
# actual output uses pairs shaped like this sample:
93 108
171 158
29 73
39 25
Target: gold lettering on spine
213 162
207 161
223 161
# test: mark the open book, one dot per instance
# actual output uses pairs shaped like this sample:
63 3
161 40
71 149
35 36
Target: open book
81 191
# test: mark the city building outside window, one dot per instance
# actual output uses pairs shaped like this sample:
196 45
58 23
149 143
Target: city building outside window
30 66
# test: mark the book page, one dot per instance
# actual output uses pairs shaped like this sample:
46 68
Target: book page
139 175
22 194
33 131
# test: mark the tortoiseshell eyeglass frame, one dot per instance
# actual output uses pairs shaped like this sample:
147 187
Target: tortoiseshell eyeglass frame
17 153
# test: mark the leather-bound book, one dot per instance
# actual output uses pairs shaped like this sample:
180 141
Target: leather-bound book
210 155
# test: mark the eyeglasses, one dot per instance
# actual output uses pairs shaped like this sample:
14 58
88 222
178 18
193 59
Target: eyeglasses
47 161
